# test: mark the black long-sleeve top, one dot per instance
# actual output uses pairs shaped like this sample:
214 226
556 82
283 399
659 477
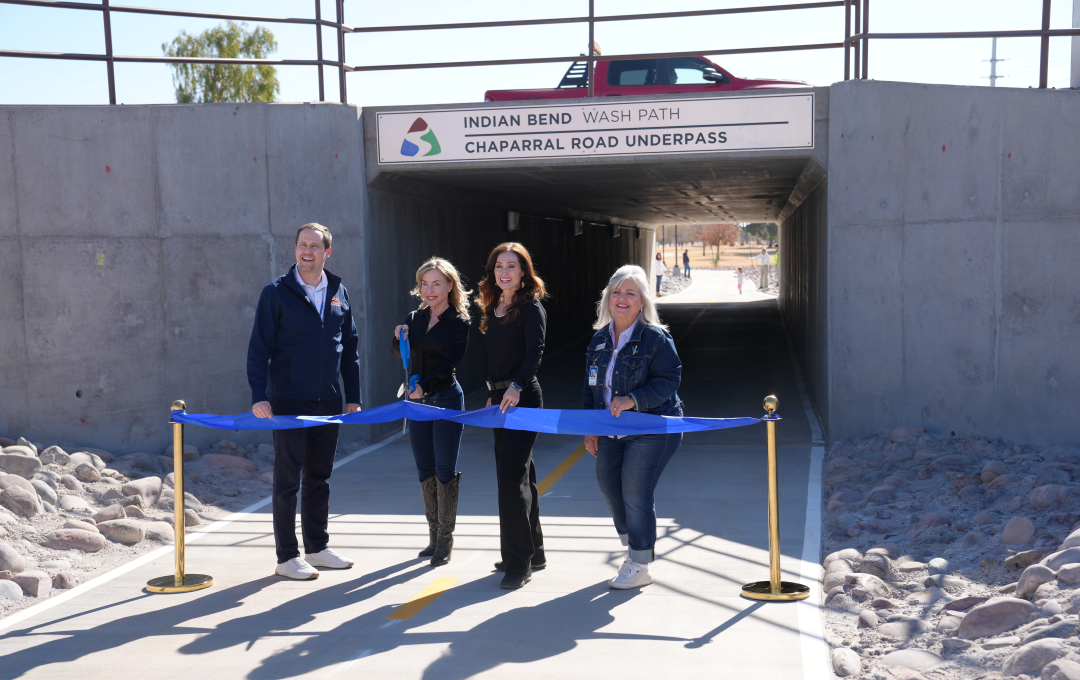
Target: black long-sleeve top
435 354
515 348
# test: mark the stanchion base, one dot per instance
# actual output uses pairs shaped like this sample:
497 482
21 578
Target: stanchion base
167 584
762 590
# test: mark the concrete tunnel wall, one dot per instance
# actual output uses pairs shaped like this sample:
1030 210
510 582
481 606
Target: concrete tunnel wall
953 294
134 242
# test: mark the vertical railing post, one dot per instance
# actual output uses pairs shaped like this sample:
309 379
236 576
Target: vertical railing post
1044 51
180 581
318 47
857 45
340 6
591 72
774 588
847 40
866 41
107 18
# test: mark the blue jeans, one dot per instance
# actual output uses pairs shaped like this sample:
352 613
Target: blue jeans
435 443
659 278
628 470
686 269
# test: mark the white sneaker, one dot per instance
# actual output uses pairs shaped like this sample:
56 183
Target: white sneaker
329 559
298 569
633 575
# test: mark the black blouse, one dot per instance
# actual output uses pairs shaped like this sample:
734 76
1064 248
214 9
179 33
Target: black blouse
515 348
436 353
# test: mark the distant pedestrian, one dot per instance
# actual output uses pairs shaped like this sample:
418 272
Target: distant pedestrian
763 260
686 262
293 369
658 270
741 277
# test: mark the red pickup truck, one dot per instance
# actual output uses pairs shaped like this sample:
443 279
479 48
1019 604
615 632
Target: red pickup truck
624 77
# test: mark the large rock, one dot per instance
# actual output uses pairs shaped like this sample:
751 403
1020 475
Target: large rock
10 559
18 450
70 482
1024 559
227 461
1048 496
126 531
160 531
1031 658
992 470
1059 559
845 662
85 525
147 487
911 658
54 455
1019 531
1061 669
996 616
1052 475
850 554
21 501
8 481
1070 573
1002 482
114 511
866 586
23 441
1033 577
875 564
80 457
938 565
86 472
65 580
34 583
930 520
74 504
76 539
10 590
881 495
903 629
1061 629
44 491
1071 541
17 464
104 456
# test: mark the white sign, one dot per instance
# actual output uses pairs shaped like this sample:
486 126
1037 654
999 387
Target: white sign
610 128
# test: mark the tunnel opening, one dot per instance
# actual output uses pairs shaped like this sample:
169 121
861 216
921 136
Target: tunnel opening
583 217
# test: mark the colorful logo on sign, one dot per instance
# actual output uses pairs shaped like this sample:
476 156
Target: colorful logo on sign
419 137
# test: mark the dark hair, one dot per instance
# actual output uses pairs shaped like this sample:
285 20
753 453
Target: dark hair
319 229
532 287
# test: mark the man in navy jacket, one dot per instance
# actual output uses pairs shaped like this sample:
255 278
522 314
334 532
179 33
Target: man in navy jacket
304 338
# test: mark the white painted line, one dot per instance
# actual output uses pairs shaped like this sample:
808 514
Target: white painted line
815 651
24 614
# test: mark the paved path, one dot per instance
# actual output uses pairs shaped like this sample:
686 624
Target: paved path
718 286
567 623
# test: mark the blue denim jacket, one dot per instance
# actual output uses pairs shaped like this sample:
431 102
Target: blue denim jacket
648 370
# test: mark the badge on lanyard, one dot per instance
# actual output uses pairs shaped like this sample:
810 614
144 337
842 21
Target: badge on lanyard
592 376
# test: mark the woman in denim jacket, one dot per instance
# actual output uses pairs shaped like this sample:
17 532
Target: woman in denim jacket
632 364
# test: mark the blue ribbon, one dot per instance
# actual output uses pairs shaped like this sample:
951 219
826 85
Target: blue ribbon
551 421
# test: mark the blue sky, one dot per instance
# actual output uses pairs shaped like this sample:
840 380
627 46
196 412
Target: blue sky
961 62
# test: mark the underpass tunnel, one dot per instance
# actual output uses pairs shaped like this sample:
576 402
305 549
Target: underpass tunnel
581 218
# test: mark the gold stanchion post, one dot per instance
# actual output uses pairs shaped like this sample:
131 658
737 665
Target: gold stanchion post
180 582
774 589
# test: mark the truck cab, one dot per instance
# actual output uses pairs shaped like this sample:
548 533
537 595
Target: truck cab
626 77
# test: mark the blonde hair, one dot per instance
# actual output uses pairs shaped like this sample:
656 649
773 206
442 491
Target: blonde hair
636 274
458 296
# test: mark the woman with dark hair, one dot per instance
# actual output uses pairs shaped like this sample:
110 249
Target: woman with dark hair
514 324
438 333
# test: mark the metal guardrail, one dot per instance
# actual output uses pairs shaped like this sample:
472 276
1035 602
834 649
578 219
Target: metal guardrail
856 45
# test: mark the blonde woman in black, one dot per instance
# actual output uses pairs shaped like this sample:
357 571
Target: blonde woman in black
514 324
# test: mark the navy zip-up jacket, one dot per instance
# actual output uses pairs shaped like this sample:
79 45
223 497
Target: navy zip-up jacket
295 354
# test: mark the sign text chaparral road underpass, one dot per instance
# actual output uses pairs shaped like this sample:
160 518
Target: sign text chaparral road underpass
621 128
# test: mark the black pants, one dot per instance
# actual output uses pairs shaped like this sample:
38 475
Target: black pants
520 536
303 458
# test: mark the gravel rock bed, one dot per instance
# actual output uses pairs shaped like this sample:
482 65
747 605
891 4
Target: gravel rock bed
674 284
68 517
951 558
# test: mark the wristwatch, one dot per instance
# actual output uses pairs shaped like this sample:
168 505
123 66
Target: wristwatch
515 386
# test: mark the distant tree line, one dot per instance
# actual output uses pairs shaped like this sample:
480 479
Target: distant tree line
211 83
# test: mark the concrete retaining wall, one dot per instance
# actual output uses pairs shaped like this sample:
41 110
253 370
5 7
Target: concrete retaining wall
954 232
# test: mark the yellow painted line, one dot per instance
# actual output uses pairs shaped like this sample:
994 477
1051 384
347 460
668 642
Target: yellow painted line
547 482
426 597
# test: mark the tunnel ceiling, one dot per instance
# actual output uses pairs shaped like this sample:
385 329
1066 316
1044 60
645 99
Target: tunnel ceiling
684 191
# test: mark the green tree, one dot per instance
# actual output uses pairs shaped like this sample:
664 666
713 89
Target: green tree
766 231
208 83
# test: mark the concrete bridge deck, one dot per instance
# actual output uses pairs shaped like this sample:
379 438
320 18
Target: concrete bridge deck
567 623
